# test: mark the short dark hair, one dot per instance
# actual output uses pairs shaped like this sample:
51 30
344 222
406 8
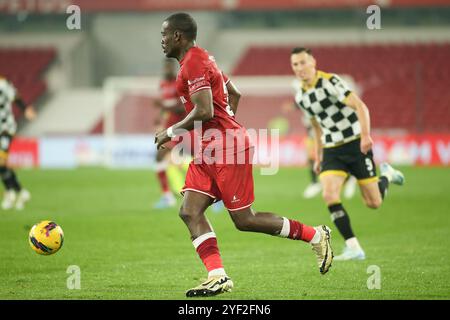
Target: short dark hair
300 50
184 23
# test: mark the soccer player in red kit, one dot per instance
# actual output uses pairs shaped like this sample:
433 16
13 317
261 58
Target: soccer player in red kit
172 111
212 99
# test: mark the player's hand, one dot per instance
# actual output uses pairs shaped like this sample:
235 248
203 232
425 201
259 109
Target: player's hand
30 113
366 144
316 167
161 138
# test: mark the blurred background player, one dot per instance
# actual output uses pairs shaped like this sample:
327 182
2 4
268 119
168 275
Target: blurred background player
314 188
170 176
343 144
14 195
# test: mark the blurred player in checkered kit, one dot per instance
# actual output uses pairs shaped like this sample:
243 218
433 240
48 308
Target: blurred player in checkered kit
342 143
314 188
15 196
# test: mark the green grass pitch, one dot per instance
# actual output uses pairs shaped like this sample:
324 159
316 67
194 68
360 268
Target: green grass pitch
127 251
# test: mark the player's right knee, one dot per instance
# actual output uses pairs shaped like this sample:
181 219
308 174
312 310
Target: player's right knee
242 221
188 214
243 225
183 214
373 203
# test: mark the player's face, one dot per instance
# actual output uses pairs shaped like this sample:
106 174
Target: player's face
303 65
168 40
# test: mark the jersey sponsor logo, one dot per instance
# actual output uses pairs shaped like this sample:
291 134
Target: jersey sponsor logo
195 80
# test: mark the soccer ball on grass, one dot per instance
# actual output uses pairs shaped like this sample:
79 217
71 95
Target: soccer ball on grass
46 237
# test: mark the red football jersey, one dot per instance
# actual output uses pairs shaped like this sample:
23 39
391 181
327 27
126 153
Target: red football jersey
198 71
169 97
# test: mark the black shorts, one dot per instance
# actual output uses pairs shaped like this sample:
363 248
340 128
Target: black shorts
5 144
348 159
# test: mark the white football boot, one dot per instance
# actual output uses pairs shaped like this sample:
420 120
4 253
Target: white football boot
9 198
23 197
351 254
312 190
322 249
166 201
394 176
211 287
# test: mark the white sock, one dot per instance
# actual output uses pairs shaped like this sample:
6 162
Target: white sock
284 233
316 238
217 272
161 166
353 243
169 195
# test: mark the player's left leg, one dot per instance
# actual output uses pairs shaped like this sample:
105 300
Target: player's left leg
334 171
332 181
371 194
205 243
235 183
15 195
199 194
269 223
374 188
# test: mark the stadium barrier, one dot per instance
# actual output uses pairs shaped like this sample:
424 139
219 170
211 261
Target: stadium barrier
138 151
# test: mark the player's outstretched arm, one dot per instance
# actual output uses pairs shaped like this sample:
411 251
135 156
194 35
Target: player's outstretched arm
233 96
354 102
203 111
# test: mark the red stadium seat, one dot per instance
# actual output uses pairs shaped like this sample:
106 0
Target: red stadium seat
405 80
24 68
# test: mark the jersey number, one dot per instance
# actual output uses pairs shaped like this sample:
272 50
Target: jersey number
369 166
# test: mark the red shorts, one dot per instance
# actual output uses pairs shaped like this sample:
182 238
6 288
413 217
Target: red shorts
232 183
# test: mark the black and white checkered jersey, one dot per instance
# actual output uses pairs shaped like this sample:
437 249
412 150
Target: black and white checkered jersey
297 85
325 101
7 97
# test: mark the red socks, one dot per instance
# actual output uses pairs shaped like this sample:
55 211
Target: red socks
208 251
162 177
296 230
